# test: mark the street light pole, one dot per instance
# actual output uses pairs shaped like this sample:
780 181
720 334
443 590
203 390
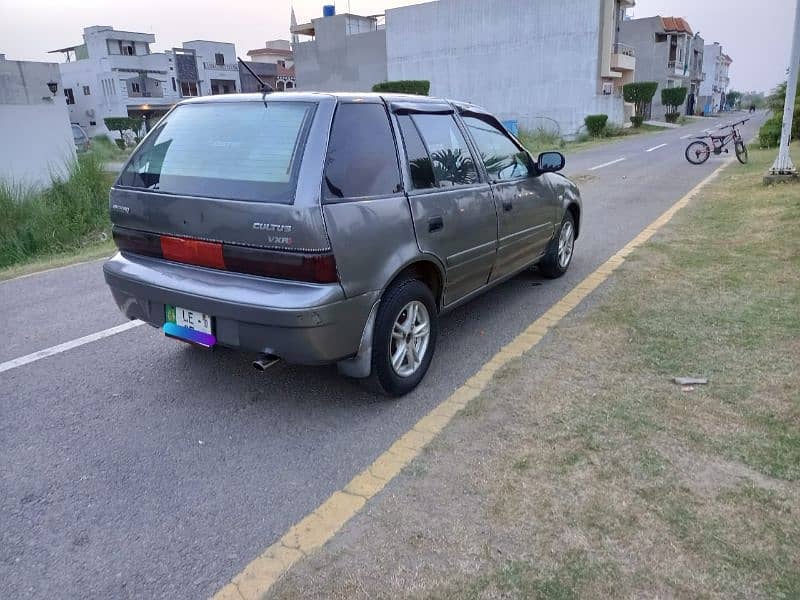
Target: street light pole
783 164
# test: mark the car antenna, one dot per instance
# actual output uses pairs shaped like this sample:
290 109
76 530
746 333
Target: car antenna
265 87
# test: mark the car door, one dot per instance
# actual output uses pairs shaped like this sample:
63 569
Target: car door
523 198
453 210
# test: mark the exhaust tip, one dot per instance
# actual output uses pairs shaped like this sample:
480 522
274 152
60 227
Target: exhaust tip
265 361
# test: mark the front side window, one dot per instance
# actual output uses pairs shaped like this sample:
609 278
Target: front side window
501 156
236 151
361 160
450 157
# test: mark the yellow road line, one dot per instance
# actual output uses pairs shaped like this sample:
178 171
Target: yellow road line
317 528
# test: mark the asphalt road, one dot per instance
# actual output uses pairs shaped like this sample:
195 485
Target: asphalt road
135 466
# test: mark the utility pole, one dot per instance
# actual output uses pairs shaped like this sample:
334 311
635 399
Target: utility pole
783 164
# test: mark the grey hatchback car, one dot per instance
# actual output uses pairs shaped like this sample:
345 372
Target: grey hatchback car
330 228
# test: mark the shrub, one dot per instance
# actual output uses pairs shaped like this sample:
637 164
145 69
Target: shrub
641 94
60 218
539 140
770 133
596 124
419 87
673 98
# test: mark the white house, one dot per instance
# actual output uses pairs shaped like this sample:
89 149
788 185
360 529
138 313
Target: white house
37 137
714 87
538 63
116 74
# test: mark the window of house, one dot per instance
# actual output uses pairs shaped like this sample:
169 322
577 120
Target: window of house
70 97
282 63
501 156
419 161
135 88
174 87
451 160
289 85
361 159
189 88
219 58
86 91
127 48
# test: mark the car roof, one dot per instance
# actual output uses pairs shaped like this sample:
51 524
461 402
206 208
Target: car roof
317 96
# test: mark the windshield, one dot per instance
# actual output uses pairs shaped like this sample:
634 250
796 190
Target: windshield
231 150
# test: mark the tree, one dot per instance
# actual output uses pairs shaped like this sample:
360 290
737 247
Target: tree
733 98
673 99
123 124
641 95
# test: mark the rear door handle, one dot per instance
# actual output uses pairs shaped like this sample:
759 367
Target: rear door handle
435 224
508 205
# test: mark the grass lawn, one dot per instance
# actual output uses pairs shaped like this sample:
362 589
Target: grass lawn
537 142
583 471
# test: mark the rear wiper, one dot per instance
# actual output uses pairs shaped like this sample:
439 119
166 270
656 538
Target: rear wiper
265 87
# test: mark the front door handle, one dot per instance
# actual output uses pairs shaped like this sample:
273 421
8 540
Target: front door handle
435 224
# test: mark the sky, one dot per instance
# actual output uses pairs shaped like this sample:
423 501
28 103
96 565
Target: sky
757 35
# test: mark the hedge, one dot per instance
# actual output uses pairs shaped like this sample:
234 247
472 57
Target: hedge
419 87
770 133
673 98
596 124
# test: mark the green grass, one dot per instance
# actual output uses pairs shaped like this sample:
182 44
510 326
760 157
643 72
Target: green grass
71 215
541 140
105 150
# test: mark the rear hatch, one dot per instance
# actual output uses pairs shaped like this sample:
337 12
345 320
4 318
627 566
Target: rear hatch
231 184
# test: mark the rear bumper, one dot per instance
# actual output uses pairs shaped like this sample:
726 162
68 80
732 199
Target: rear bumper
299 322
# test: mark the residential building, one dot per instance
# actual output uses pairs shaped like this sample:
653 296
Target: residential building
539 63
37 137
116 74
667 52
274 64
714 88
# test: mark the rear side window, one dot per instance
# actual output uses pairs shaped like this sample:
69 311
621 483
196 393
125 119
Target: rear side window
419 162
501 157
236 151
450 156
362 160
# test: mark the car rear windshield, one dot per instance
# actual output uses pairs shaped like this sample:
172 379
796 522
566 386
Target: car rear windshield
230 150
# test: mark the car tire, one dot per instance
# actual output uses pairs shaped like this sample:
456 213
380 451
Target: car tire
559 253
404 300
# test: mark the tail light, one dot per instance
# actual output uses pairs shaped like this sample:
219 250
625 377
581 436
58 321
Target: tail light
297 266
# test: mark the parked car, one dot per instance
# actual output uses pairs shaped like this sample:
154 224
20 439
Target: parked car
330 228
82 141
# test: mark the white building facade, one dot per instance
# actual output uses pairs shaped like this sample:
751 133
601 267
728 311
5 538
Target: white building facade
539 63
116 74
34 121
714 88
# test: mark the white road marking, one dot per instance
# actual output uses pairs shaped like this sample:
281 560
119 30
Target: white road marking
687 136
655 147
612 162
87 339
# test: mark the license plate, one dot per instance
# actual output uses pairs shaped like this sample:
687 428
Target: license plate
189 325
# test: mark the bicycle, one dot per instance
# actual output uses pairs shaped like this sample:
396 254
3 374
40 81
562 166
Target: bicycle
699 151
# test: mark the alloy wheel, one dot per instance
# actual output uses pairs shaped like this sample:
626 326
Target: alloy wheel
410 337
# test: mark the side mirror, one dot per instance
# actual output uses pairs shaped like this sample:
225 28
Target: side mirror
550 162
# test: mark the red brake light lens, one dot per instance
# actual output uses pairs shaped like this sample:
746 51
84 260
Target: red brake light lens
297 266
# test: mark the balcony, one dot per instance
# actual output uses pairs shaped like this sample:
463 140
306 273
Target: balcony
675 67
623 58
210 66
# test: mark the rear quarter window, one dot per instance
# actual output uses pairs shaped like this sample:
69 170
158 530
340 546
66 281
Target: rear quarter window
362 158
236 151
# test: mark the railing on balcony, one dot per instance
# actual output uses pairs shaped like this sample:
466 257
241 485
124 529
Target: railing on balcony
211 65
624 49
